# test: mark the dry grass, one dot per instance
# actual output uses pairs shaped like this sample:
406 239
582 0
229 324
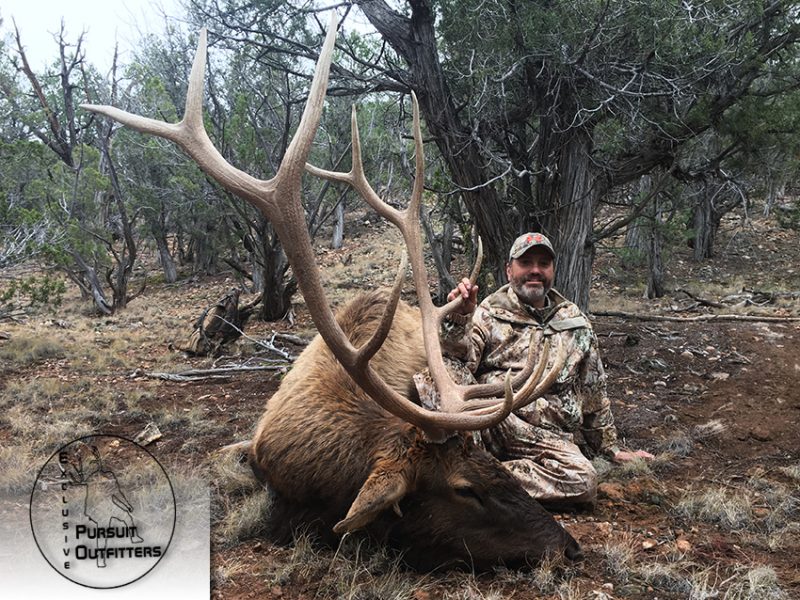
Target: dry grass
632 469
619 558
668 577
546 577
240 504
52 411
242 520
231 474
26 350
792 472
709 430
764 512
683 442
755 583
355 570
731 511
680 577
18 466
227 571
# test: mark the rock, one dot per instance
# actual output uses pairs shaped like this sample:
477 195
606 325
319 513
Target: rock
630 589
720 376
760 434
683 546
649 544
148 435
604 528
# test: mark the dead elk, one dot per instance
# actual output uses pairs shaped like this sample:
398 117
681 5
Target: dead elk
341 442
326 450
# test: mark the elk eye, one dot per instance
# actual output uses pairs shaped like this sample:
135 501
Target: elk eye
468 492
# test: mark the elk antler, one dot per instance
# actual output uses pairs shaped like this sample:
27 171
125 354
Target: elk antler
453 397
279 199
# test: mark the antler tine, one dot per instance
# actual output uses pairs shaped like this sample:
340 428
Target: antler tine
191 136
368 350
536 387
476 268
450 393
533 388
407 221
356 178
532 371
453 396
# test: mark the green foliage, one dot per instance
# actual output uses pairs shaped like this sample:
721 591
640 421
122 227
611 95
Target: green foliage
44 290
630 257
789 216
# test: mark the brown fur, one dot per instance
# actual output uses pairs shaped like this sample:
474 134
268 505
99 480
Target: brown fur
324 447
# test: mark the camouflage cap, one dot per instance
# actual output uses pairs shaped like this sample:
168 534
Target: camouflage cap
527 241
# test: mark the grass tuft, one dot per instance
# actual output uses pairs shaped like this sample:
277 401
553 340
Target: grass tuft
667 577
711 429
619 559
245 520
792 472
755 583
730 511
22 351
18 466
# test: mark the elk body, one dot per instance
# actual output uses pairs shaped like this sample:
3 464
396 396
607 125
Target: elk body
327 450
342 443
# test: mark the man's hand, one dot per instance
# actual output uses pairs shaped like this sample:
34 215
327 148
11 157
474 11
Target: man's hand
469 292
623 456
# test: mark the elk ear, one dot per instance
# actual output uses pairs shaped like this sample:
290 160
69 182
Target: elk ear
383 489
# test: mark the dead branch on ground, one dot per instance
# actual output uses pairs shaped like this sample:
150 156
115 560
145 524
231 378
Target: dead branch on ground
644 317
201 374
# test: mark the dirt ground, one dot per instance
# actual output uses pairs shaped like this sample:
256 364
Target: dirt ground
716 515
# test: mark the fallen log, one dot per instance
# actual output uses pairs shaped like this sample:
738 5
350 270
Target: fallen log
645 317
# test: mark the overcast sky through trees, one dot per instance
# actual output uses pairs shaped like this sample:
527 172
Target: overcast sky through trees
105 23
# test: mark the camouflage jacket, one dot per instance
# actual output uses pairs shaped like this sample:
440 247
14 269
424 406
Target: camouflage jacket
498 340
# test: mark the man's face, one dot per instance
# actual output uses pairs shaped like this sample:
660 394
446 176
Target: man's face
531 276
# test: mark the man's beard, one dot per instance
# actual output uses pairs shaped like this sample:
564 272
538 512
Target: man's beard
529 295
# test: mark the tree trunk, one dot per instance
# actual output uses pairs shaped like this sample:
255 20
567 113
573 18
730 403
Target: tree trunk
566 201
93 284
165 258
706 223
414 39
278 288
338 225
776 189
202 252
655 279
637 244
637 234
441 249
